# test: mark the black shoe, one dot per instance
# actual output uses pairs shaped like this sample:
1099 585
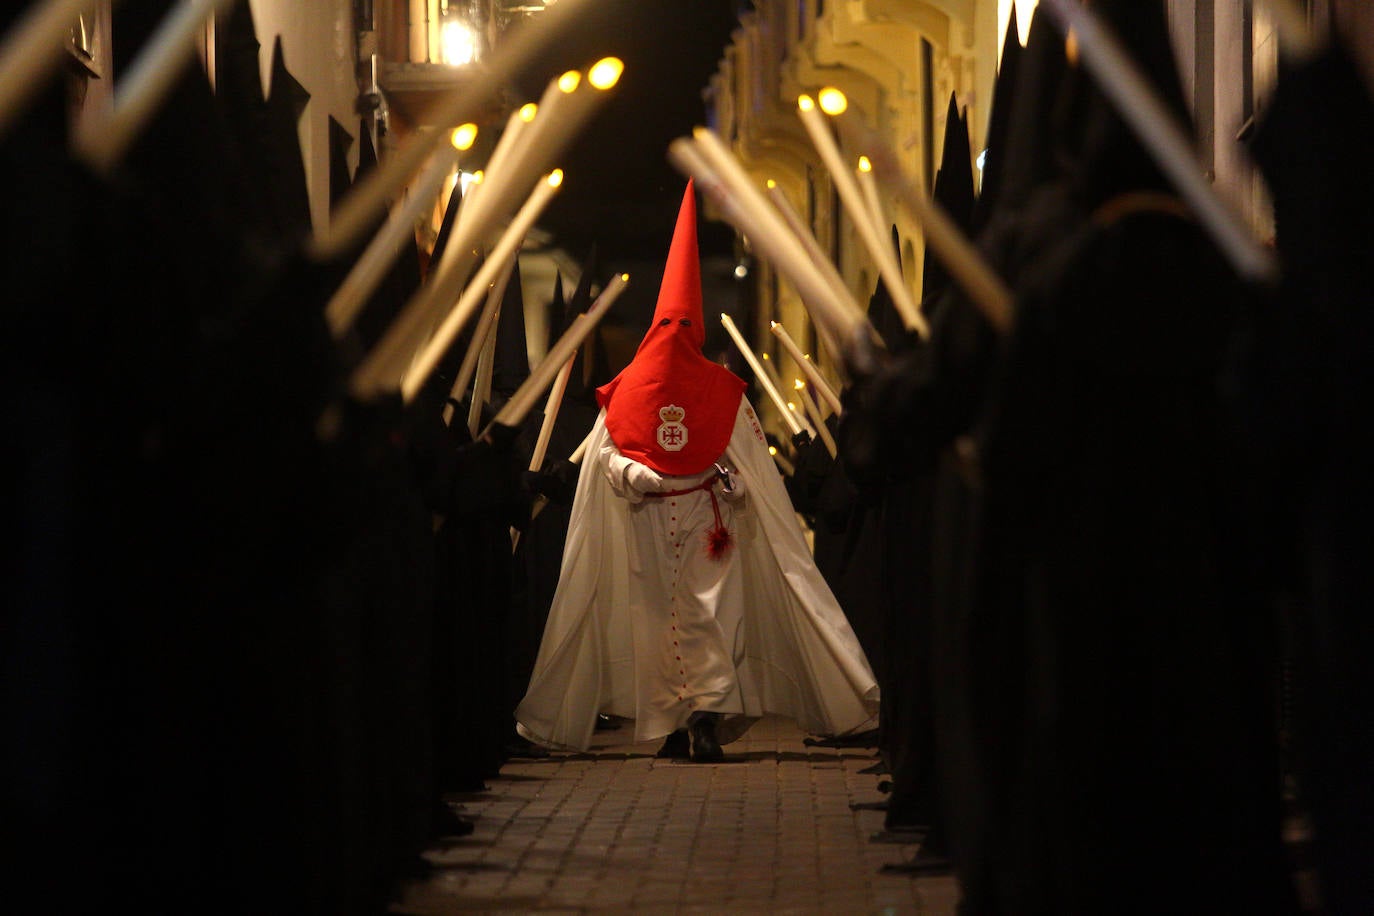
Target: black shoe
677 746
446 822
705 747
520 746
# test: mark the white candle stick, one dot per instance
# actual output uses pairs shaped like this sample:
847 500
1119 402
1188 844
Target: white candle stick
482 330
1160 132
813 409
745 208
499 182
515 127
783 464
869 186
766 363
348 300
367 380
102 142
852 199
817 255
567 104
560 385
515 409
813 374
774 395
32 49
960 257
481 385
511 55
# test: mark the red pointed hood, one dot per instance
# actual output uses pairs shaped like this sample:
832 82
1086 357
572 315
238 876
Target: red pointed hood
671 408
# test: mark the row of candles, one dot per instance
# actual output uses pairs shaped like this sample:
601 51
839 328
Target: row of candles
536 135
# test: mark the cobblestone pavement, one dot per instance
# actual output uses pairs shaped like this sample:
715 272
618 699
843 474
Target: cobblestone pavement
614 830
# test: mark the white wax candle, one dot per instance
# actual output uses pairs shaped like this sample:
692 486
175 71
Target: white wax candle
813 410
762 377
468 368
818 257
965 264
852 199
458 317
520 403
812 373
361 282
722 178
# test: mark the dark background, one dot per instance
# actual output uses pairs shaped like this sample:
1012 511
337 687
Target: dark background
620 189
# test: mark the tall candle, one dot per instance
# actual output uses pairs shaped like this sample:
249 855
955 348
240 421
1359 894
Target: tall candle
520 403
515 127
813 409
852 199
722 179
365 382
818 257
813 375
362 281
965 264
482 331
774 395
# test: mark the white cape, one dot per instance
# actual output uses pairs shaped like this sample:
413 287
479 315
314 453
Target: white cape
794 652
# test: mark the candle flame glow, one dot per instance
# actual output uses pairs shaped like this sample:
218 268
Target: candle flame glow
463 136
805 102
864 164
771 184
605 73
833 101
798 384
555 178
772 450
568 81
528 111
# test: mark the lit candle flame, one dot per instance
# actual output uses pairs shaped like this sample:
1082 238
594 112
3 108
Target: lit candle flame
555 178
528 111
605 73
833 101
805 102
463 136
864 164
568 81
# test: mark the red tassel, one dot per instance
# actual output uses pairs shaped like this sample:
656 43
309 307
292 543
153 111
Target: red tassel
718 542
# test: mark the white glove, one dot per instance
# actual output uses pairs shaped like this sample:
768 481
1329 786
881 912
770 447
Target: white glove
642 478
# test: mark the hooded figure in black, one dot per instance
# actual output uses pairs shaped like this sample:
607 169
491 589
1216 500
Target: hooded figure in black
1306 381
1139 720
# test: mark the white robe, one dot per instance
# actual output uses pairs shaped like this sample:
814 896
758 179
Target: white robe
645 625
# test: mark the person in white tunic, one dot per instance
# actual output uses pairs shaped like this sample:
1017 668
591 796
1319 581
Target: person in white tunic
688 599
